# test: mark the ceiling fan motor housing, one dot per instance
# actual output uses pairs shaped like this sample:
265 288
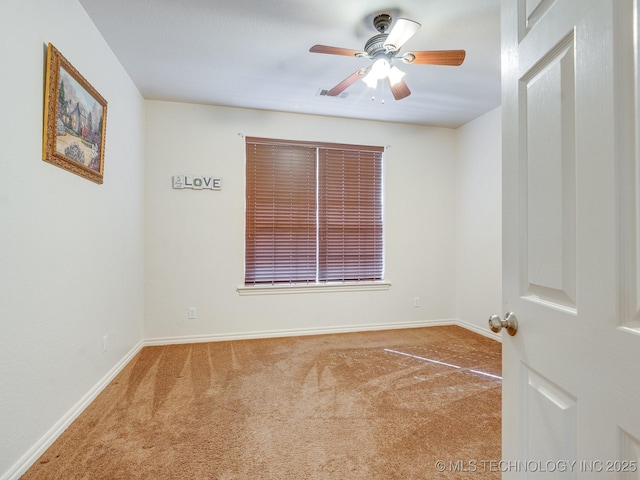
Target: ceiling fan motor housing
375 44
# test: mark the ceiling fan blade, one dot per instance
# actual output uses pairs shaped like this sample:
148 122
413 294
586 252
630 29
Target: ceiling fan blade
339 88
336 51
436 57
402 31
400 89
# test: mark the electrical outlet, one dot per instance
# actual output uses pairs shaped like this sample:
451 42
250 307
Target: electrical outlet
416 301
193 313
105 343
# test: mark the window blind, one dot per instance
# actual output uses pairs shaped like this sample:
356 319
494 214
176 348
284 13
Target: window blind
350 215
313 212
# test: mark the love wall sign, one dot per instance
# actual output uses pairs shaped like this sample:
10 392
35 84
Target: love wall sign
197 183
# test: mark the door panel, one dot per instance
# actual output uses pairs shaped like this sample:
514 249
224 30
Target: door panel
629 449
550 413
534 10
548 122
571 237
628 90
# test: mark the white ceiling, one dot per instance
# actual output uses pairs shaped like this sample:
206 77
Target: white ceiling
255 54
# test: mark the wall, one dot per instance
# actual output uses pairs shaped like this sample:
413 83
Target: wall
479 220
194 247
70 250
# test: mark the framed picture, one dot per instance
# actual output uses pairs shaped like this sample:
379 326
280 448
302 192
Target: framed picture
75 120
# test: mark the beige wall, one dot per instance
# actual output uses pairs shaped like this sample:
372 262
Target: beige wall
70 250
479 220
194 239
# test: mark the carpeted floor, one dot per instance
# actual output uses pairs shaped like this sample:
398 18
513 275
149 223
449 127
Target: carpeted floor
418 403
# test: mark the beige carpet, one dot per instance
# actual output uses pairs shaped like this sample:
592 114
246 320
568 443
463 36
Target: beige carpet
374 405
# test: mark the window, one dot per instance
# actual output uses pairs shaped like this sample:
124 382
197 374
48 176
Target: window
313 213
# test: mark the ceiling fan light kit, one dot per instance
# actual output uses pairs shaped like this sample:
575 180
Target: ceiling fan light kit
382 49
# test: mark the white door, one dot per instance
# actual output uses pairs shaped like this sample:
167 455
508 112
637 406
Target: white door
571 241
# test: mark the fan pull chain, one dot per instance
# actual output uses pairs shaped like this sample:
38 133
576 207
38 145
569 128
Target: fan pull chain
373 97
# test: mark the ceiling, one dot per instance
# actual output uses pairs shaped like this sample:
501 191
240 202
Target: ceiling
255 54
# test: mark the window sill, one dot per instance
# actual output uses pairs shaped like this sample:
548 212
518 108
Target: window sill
313 288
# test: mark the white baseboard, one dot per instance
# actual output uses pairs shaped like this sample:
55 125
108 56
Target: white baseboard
482 331
293 332
315 331
23 464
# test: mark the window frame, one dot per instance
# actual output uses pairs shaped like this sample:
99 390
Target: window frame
276 285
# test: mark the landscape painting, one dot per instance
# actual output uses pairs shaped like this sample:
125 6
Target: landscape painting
75 120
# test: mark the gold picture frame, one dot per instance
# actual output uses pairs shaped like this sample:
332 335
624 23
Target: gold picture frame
75 120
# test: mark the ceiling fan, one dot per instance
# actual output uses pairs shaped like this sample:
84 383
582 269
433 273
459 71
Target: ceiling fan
383 48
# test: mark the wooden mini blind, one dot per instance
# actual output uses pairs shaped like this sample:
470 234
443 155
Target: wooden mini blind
349 215
313 212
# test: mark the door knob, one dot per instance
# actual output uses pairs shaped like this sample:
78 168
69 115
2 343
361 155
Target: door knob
510 323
